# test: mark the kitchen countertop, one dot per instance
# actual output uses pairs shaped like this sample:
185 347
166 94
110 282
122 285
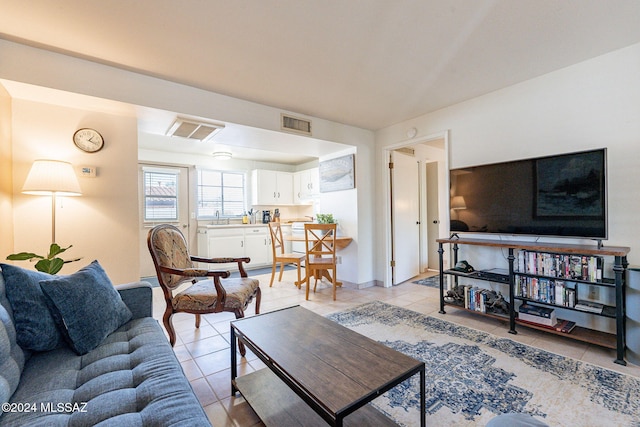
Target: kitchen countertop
236 225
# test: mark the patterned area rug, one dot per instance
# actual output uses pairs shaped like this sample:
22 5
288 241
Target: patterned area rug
473 376
432 282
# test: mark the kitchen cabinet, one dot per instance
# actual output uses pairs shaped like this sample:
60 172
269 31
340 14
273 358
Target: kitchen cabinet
306 185
235 242
257 245
271 187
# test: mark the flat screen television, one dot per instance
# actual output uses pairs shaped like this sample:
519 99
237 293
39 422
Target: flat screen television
563 195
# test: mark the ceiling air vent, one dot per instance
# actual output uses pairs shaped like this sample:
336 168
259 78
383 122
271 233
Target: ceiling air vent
294 124
194 130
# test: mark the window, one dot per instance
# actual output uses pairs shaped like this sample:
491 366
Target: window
160 195
220 192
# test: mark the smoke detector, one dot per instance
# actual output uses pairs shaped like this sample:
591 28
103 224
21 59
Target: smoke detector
191 129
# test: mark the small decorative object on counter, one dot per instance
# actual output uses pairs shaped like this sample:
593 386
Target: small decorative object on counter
276 215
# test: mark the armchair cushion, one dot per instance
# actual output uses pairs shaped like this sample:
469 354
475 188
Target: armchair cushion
35 327
86 306
202 295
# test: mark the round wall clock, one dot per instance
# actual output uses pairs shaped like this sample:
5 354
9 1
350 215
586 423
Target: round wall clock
88 140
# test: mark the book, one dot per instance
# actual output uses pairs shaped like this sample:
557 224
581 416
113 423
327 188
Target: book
547 321
536 310
565 326
591 307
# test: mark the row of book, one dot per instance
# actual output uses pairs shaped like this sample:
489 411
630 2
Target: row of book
475 299
544 317
558 292
577 267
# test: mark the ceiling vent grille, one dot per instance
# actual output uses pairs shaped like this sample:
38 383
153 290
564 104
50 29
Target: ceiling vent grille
194 130
406 150
295 124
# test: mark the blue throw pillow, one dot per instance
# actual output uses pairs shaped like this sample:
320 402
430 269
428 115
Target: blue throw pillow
86 306
35 327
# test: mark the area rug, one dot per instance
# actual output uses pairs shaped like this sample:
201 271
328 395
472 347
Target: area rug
473 376
432 282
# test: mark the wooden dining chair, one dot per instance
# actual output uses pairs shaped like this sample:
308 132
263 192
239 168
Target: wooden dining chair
280 256
174 266
320 244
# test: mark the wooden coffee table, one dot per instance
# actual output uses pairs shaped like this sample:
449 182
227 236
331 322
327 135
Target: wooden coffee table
318 372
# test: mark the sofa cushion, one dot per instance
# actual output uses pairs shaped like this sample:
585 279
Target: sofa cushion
12 358
85 306
132 378
35 327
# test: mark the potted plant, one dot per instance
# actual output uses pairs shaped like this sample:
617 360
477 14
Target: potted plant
325 219
50 264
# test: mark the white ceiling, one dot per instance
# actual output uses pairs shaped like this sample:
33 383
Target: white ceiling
366 63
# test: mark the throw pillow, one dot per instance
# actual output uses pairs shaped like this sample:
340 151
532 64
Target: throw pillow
86 306
35 327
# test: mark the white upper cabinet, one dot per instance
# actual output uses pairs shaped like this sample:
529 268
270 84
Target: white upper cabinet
271 187
306 185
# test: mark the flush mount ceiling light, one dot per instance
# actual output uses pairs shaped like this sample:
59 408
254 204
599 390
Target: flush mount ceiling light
222 155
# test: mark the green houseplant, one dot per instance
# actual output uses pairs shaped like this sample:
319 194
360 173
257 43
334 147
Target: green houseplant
325 218
50 264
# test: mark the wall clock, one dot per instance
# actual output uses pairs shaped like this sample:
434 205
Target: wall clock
88 140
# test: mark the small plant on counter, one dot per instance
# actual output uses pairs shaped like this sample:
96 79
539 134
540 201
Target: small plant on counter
325 218
50 264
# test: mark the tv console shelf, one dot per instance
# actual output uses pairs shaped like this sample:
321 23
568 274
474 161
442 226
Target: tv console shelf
619 254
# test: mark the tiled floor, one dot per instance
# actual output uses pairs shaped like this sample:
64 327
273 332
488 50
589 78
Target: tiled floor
204 352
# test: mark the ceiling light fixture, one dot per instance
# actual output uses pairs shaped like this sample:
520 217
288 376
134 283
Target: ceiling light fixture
222 155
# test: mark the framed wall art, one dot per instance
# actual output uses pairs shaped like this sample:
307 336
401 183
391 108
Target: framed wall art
338 174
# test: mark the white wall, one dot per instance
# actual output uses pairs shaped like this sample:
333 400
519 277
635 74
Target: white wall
6 175
102 223
589 105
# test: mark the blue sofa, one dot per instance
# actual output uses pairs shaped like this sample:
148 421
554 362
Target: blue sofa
132 377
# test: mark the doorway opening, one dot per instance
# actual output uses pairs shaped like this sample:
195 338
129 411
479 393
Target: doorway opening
429 186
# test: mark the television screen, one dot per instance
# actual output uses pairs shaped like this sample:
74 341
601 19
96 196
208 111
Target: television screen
563 195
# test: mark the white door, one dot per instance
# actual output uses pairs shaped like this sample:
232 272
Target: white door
406 217
164 199
433 217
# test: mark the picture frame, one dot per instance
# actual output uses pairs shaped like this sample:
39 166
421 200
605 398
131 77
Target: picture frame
337 174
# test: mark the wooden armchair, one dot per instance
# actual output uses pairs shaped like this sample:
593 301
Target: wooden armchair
174 266
280 256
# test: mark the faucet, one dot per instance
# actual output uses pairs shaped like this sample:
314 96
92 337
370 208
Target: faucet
217 217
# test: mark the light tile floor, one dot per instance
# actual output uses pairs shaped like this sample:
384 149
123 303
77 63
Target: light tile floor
204 352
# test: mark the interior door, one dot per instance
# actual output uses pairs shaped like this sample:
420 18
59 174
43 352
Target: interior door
433 216
405 202
164 199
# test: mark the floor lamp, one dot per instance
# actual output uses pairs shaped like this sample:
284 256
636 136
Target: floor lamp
52 178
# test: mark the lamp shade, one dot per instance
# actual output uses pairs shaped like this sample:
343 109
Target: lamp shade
48 177
458 203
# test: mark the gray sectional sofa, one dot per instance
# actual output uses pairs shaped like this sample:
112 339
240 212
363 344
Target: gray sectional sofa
131 378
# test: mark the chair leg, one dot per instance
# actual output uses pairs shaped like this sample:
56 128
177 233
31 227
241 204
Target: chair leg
299 276
281 271
258 299
239 315
308 283
273 273
197 320
335 284
166 319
